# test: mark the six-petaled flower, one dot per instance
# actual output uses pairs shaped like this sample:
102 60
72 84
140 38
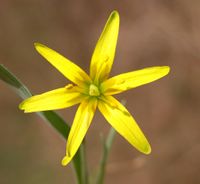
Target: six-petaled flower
95 91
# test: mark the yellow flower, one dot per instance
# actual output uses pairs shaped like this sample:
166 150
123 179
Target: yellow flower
94 91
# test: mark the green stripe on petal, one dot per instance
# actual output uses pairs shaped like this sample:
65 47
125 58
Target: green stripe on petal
122 121
126 81
103 55
70 70
52 100
82 120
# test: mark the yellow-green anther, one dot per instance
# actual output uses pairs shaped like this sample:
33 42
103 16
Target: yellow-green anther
93 90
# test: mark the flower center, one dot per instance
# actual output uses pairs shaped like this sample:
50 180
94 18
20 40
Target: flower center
93 90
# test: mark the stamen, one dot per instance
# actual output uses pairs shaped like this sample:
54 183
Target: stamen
69 86
93 90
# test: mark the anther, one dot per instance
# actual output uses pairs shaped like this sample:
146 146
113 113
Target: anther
93 90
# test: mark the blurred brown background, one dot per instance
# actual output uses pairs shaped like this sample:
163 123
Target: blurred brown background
152 32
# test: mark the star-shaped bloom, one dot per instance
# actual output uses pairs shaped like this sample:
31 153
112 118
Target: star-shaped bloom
95 91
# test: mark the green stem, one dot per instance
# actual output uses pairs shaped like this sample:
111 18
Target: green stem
106 149
84 170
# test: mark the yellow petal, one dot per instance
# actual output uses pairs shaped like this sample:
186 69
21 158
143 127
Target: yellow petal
126 81
55 99
104 52
121 120
66 67
79 128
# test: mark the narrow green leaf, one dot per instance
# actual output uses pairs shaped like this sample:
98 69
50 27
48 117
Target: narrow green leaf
106 149
57 122
15 83
50 116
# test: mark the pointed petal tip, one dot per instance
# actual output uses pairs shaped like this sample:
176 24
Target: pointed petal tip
167 68
65 160
21 105
115 13
38 45
147 150
163 70
114 16
144 147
